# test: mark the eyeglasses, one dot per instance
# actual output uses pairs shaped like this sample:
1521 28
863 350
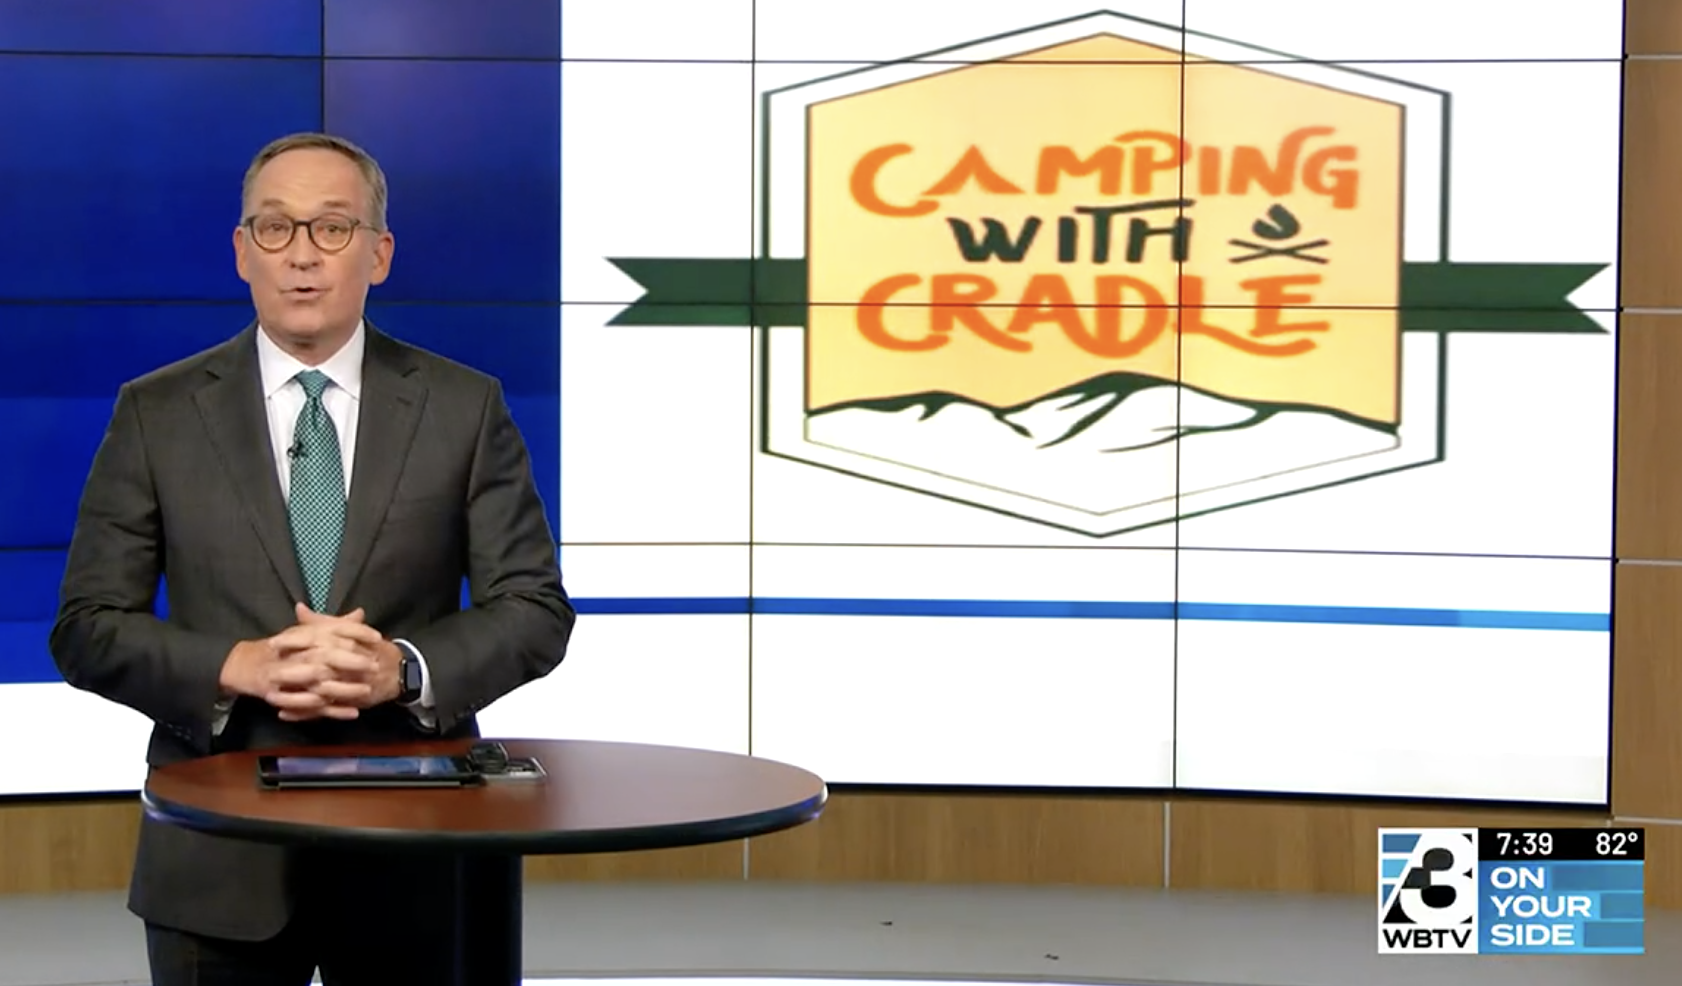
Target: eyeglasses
330 233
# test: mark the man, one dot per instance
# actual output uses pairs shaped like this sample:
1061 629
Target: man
312 493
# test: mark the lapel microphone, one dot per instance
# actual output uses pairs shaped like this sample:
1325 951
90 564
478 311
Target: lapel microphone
296 451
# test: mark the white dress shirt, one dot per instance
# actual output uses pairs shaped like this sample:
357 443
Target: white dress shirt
283 399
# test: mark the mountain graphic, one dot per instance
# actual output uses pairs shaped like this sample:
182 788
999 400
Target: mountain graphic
1113 440
1121 411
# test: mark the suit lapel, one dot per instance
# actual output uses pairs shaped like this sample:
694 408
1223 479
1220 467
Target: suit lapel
390 409
231 406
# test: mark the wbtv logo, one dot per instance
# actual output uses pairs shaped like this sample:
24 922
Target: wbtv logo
1428 891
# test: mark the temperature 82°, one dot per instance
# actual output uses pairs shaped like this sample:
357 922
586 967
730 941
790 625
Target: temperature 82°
1628 844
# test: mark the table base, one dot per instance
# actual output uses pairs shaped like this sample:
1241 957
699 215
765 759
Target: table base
489 926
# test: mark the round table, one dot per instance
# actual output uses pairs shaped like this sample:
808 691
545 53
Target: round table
597 797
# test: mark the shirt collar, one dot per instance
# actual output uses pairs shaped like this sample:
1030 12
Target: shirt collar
344 367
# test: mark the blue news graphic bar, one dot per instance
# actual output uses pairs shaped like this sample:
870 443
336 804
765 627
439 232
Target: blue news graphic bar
1613 934
1622 905
1572 877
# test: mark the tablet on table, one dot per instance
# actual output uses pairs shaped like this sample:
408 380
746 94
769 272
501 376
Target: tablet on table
366 771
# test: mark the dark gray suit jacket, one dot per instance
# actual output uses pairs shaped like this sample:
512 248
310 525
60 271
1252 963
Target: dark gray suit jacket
184 487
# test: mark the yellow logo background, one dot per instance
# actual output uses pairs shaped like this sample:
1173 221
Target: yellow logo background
1096 123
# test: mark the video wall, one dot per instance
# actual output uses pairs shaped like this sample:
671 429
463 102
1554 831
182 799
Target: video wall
1199 395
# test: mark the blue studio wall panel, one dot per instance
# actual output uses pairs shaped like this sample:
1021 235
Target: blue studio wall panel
163 27
57 437
132 167
444 29
520 345
517 344
24 658
539 419
104 345
472 152
31 578
130 124
57 419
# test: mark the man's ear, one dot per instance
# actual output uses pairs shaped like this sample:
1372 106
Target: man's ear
384 247
241 260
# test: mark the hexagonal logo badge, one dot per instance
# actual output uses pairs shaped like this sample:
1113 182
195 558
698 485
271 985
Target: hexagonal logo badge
1105 273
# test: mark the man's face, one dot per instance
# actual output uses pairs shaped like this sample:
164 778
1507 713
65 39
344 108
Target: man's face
308 298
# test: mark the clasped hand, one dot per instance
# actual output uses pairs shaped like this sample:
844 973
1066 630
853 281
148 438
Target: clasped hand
325 667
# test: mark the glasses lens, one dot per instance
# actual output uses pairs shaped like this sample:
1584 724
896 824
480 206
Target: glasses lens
271 232
332 232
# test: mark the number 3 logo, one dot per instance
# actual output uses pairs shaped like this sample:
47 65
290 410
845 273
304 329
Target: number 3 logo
1441 888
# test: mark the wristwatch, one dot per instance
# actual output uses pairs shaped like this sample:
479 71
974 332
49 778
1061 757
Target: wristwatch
408 677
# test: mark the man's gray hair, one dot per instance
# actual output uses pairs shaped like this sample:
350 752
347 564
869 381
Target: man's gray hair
370 168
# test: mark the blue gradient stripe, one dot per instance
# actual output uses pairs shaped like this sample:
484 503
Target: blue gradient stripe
1067 609
24 658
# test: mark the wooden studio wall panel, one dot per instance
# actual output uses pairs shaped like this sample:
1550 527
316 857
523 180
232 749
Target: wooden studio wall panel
1653 27
1307 848
1652 185
1647 606
720 861
1649 496
1664 867
1647 692
971 838
64 848
1097 841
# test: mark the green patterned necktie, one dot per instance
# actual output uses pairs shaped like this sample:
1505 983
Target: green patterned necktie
316 501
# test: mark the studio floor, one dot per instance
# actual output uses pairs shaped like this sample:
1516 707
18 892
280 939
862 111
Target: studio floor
839 932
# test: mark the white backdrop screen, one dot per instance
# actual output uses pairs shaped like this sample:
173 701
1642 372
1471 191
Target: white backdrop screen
1204 395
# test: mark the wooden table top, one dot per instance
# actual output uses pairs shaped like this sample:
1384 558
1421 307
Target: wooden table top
598 797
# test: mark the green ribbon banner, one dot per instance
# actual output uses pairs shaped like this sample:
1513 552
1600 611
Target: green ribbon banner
1435 297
